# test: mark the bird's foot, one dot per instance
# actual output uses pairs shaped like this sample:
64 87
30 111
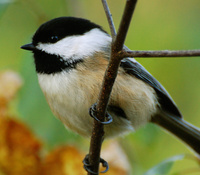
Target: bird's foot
92 112
87 166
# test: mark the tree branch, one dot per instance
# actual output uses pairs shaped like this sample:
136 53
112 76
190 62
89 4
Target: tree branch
109 78
161 53
153 53
109 18
117 54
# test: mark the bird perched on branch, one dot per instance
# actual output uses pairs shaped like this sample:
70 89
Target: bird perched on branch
71 55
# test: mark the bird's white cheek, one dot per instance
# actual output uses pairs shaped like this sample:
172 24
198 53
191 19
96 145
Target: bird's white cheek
77 47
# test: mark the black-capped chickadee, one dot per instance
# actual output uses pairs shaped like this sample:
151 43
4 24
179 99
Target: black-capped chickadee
71 55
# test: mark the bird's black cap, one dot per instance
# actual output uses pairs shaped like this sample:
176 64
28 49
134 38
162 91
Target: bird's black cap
58 28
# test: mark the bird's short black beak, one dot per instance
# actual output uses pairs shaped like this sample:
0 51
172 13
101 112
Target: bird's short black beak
28 47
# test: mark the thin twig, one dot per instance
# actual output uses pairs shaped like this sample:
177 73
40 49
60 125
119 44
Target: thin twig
109 18
109 78
161 53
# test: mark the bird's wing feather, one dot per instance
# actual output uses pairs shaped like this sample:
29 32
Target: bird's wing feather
132 67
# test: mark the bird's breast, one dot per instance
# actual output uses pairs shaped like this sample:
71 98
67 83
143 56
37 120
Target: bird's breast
70 95
70 98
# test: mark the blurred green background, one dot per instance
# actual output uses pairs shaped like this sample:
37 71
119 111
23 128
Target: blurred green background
156 25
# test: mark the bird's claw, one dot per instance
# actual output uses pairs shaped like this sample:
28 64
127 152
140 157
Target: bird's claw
92 112
87 166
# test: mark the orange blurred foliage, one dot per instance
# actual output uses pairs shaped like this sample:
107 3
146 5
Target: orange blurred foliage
66 160
20 149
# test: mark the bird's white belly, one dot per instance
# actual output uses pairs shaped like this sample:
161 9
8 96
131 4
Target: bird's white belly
70 97
68 102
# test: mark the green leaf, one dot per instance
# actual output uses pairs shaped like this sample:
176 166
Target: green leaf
164 167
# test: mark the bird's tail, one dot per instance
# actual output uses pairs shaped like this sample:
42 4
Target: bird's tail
180 128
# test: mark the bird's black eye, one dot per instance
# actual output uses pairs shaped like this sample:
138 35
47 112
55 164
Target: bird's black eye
53 39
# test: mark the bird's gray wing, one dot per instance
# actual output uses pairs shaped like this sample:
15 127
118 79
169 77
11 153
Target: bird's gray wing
132 67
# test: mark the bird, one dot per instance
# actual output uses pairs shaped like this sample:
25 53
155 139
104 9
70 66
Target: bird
71 55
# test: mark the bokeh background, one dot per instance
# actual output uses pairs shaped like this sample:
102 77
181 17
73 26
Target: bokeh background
156 25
